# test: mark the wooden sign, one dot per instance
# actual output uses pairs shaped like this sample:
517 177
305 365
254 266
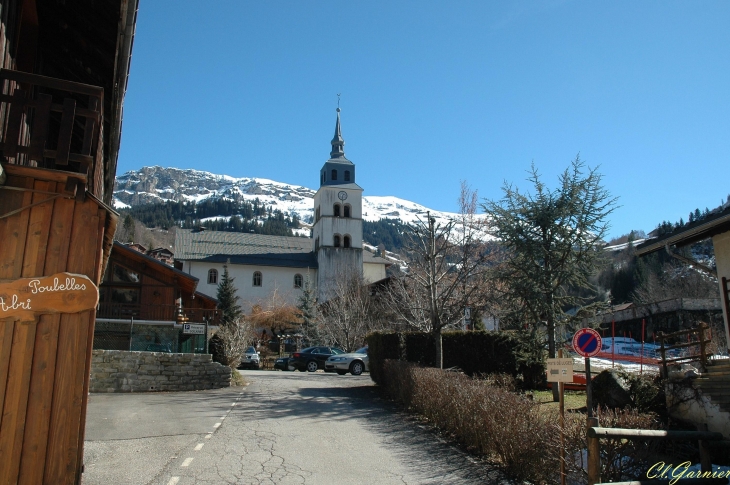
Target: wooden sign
60 293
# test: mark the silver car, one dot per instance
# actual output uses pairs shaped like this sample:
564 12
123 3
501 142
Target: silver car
355 363
251 358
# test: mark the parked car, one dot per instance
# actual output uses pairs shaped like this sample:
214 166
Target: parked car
251 359
159 348
312 358
355 363
282 363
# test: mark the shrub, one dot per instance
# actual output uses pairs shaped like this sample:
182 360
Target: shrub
474 353
519 433
381 346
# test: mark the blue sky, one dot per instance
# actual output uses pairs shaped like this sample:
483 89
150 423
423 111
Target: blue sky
438 92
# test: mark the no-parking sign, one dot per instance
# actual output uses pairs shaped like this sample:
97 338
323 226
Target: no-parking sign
587 342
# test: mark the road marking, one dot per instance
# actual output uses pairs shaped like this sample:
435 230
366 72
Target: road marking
223 418
173 481
233 404
216 425
208 436
187 462
199 446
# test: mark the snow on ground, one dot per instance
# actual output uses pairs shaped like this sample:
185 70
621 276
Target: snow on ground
598 365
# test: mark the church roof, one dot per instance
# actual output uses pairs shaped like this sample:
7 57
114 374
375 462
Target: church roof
244 248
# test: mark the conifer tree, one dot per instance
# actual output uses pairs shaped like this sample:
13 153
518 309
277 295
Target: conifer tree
228 299
308 309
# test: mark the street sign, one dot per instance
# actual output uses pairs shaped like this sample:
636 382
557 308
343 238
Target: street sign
587 342
193 329
560 370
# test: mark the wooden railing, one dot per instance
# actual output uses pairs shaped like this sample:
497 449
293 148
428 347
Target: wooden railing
705 439
165 313
52 123
701 342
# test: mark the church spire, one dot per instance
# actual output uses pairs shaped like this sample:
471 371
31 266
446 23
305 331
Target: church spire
338 143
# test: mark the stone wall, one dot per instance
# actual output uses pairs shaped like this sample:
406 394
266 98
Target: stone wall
122 371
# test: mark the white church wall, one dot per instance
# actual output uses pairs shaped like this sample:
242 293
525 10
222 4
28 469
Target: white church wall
274 279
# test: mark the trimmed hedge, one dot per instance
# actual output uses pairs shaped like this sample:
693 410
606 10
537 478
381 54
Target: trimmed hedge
382 346
473 352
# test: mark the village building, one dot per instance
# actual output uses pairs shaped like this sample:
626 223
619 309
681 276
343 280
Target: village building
144 303
277 268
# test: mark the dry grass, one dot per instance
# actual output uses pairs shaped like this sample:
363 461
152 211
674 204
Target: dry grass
237 379
574 400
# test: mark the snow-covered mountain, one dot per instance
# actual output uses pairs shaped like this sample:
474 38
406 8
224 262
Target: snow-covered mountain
160 184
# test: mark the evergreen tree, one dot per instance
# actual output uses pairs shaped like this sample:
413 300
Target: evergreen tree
308 310
227 296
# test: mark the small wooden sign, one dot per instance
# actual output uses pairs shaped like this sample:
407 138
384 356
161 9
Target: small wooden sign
61 293
560 370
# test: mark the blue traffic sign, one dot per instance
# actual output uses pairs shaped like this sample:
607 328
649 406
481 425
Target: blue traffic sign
587 342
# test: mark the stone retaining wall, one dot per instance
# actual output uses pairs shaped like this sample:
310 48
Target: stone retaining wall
122 371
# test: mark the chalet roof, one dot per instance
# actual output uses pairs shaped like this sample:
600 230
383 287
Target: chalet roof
636 312
187 282
244 248
716 222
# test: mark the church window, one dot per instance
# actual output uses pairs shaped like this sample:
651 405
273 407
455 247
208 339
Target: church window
297 281
257 278
322 177
337 240
316 243
337 210
347 211
213 277
317 218
334 174
347 241
347 175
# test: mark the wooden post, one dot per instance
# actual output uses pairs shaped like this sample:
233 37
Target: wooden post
561 388
594 454
665 373
703 354
705 455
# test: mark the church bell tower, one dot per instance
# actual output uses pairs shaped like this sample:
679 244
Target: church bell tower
337 229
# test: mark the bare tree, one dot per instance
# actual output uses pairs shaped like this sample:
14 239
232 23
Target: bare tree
350 314
275 313
445 272
232 340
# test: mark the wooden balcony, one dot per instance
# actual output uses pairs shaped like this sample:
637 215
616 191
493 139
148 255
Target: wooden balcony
53 124
162 313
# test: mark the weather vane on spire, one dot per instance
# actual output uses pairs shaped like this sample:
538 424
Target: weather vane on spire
338 101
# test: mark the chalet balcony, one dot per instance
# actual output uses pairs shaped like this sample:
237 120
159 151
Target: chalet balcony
53 124
161 313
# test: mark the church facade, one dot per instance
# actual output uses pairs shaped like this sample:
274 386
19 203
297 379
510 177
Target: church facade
275 269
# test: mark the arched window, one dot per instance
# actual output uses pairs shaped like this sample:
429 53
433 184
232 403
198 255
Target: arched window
337 210
334 174
347 175
213 277
322 177
317 218
297 281
316 243
347 241
257 278
337 240
347 210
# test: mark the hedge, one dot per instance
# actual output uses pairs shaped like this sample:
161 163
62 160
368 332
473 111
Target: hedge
472 352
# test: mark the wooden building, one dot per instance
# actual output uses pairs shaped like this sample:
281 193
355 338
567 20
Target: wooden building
143 297
63 76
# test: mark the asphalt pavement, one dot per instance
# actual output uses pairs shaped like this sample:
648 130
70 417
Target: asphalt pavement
283 428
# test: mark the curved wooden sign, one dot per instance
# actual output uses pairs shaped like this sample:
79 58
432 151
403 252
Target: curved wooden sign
61 293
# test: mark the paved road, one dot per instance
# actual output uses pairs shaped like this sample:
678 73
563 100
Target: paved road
284 428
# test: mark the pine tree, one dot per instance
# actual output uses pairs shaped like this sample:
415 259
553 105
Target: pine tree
227 296
308 309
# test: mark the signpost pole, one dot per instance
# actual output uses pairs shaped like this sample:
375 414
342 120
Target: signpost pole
206 333
589 391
